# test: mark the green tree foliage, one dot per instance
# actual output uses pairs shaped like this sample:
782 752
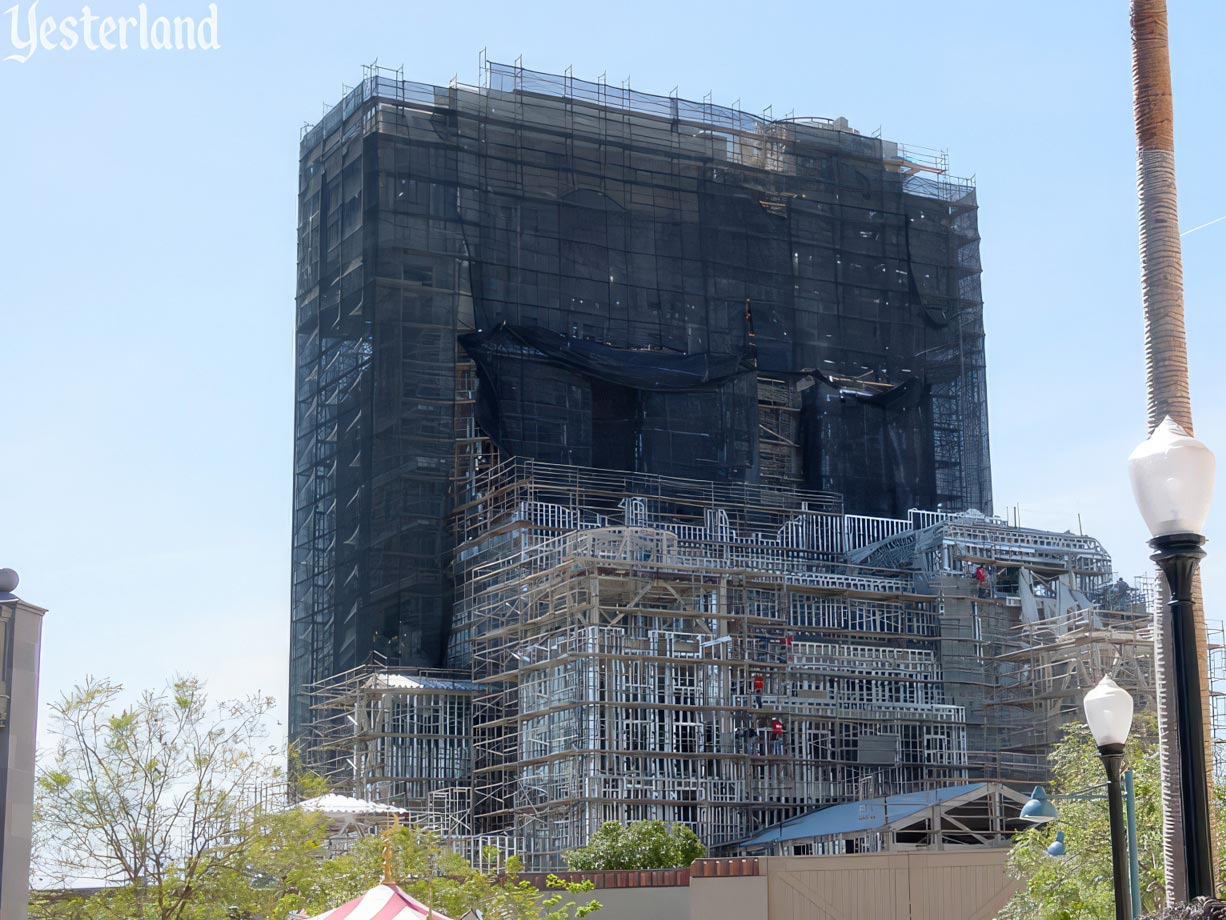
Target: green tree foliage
434 875
161 802
164 805
1080 883
641 845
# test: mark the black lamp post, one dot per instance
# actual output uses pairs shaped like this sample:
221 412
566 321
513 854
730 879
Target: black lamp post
1172 479
1109 712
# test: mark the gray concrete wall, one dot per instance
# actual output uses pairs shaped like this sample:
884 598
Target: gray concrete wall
21 630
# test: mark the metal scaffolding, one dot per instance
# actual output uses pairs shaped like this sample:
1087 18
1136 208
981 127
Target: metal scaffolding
1217 697
635 281
754 327
728 658
396 736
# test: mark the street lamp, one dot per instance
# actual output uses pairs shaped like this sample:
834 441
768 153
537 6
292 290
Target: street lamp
1057 849
1039 810
1109 711
1172 480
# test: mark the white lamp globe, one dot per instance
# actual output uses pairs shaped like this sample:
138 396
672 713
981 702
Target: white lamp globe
1109 712
1172 480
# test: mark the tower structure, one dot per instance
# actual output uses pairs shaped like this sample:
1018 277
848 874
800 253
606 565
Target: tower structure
541 268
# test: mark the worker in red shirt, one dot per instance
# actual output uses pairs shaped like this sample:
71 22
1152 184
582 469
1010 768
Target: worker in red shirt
981 576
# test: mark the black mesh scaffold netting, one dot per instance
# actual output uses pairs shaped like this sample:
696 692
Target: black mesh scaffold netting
630 273
637 262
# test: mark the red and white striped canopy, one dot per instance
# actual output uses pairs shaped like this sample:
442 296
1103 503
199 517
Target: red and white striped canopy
383 902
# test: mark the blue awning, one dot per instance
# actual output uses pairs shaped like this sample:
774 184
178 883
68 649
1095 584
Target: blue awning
857 817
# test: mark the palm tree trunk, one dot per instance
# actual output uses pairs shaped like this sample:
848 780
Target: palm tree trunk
1166 364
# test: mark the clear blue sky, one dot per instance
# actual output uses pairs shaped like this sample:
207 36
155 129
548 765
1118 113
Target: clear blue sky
147 247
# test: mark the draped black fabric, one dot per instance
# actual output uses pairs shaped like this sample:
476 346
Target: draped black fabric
640 369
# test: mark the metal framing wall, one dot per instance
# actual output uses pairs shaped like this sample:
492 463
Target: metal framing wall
396 736
637 637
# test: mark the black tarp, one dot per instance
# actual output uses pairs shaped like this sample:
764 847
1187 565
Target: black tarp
640 369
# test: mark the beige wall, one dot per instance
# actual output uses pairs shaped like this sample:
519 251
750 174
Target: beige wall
639 903
720 898
968 884
953 885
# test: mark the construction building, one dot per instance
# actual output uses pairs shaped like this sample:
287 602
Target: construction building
729 657
661 428
638 283
407 734
732 656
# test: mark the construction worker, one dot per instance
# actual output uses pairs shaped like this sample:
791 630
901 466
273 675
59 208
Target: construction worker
776 736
